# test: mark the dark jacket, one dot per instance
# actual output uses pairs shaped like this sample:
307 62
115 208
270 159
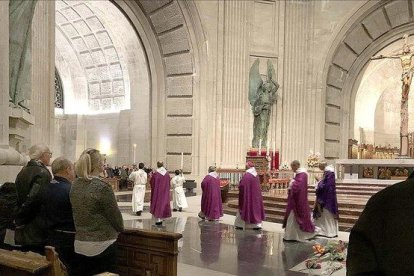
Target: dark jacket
382 240
31 184
95 210
57 205
8 207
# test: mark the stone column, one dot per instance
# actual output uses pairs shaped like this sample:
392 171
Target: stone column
7 154
4 74
235 106
43 75
297 97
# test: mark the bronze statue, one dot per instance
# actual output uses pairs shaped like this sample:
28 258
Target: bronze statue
20 20
262 95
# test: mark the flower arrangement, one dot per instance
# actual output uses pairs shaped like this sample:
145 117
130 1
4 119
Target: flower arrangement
313 159
333 252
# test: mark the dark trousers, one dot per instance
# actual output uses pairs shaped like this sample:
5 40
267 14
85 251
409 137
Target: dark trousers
64 246
104 262
123 184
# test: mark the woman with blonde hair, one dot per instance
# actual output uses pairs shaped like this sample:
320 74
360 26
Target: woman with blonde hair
97 218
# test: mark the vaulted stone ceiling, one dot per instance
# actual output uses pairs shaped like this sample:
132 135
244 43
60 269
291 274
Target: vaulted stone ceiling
90 36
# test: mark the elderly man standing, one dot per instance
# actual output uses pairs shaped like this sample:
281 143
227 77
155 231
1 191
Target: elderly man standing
211 205
58 211
325 211
251 209
31 183
160 194
139 178
297 223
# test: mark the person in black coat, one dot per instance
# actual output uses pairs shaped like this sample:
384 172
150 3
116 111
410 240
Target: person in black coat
8 206
58 210
382 240
31 183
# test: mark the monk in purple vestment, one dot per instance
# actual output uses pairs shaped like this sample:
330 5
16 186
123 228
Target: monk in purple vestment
160 194
211 205
325 211
297 223
251 209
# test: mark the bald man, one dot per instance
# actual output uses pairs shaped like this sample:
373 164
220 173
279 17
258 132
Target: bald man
297 223
251 209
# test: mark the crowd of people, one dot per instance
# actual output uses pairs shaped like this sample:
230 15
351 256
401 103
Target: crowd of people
71 209
76 212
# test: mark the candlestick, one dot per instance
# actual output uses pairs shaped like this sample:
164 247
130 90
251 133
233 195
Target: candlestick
182 160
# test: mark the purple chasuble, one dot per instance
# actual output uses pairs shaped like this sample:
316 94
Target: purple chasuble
298 203
211 204
326 193
250 199
160 195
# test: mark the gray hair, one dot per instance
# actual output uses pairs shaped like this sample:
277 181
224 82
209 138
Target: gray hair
295 162
323 163
36 151
212 169
60 164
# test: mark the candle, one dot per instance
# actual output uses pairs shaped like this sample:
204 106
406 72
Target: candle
267 149
182 160
260 145
135 150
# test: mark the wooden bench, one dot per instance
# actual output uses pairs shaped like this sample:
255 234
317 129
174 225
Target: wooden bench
147 253
17 263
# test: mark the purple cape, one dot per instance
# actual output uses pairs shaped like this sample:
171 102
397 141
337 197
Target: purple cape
160 195
298 203
326 193
211 204
250 199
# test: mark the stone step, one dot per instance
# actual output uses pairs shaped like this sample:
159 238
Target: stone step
347 215
343 226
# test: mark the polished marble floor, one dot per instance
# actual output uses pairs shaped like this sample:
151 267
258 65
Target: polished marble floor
219 249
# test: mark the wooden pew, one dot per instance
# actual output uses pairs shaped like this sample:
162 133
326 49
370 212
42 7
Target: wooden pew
17 263
147 253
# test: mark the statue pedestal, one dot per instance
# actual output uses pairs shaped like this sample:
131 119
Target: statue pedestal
19 123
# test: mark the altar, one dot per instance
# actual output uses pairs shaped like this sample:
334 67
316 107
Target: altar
374 169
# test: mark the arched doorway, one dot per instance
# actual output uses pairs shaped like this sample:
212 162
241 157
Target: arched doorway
375 26
165 33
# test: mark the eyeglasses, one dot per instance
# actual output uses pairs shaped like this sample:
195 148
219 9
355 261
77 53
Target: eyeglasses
50 153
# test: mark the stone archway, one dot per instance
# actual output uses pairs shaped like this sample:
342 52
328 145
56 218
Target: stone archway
378 25
165 34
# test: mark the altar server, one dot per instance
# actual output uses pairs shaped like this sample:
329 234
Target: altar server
160 194
297 223
251 209
326 205
139 178
211 205
179 200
